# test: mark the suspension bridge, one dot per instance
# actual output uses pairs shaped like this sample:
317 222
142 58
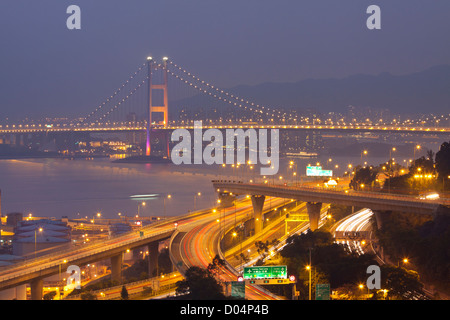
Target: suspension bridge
141 104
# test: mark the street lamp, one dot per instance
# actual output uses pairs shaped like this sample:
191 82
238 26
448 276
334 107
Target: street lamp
93 217
139 204
168 197
293 166
443 182
365 153
361 287
308 267
418 148
329 160
35 233
195 199
390 168
59 277
404 260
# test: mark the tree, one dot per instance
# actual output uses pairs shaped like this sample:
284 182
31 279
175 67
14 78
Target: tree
215 266
363 179
400 282
88 296
263 247
124 293
331 263
243 257
442 161
199 284
50 295
423 165
430 155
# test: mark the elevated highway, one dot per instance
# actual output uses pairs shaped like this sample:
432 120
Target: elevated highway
314 197
198 243
33 271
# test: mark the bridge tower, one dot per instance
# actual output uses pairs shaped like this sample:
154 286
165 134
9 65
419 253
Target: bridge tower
164 108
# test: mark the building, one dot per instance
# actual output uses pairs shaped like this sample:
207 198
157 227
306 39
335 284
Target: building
38 237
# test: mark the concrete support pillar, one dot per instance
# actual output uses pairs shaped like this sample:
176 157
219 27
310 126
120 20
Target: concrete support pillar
19 139
25 139
153 252
381 216
21 292
116 267
37 287
17 293
258 205
313 209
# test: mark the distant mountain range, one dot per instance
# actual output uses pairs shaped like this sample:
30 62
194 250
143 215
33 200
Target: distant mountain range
422 92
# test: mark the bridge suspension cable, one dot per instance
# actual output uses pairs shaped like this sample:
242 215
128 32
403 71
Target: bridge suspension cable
110 98
219 93
131 93
101 112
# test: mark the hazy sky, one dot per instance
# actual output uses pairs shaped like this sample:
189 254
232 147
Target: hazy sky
47 69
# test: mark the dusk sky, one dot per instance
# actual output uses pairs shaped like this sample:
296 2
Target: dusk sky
48 70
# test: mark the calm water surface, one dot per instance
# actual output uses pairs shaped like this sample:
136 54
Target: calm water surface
79 188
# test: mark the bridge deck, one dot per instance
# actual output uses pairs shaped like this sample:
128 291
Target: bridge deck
372 200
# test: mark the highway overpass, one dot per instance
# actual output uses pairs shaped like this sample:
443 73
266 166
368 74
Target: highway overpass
314 197
35 270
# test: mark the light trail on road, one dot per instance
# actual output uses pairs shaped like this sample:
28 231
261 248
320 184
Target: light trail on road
198 246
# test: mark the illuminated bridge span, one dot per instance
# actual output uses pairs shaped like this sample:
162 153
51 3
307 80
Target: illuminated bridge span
379 203
128 127
141 104
35 270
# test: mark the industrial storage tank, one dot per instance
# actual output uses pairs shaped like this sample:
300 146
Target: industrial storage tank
38 237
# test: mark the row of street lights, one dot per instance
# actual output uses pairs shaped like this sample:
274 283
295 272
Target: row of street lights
143 204
166 197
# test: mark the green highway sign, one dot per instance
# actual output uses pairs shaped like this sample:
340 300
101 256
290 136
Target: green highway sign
316 171
265 272
323 291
